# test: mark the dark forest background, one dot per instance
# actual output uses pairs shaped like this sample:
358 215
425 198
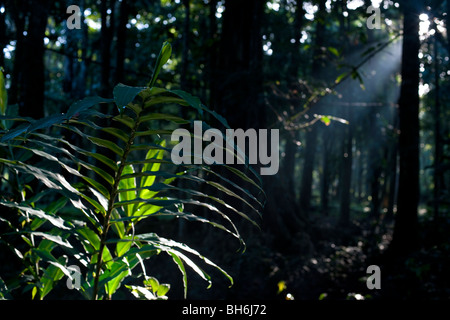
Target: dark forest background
363 117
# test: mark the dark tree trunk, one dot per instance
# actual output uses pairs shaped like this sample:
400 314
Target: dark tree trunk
239 88
291 137
405 237
3 39
70 61
288 164
82 77
328 141
447 20
240 72
106 39
121 41
308 168
212 53
32 75
391 170
438 173
311 134
375 168
346 177
19 23
298 27
186 39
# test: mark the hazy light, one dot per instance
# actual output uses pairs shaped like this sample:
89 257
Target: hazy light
310 10
359 297
141 26
424 88
93 24
376 3
267 49
424 25
355 4
304 37
423 17
219 11
273 5
9 49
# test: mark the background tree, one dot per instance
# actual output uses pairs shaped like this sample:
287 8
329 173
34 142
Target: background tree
406 225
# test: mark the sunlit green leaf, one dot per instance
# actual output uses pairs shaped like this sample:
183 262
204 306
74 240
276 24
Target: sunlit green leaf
334 51
128 184
163 57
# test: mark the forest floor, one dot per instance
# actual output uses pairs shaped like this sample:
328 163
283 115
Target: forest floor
334 265
327 262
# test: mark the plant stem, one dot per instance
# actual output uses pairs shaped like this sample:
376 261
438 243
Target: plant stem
111 201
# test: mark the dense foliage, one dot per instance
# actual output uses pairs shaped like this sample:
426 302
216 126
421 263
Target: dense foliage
84 215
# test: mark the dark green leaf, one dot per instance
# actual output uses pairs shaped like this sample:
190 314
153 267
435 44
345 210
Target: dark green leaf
123 95
83 105
11 134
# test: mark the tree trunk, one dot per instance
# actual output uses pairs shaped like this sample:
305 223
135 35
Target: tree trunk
71 51
328 140
391 170
3 39
186 39
212 53
438 173
447 22
375 165
106 39
82 77
32 78
121 42
308 168
311 135
240 56
346 177
298 26
405 237
239 88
